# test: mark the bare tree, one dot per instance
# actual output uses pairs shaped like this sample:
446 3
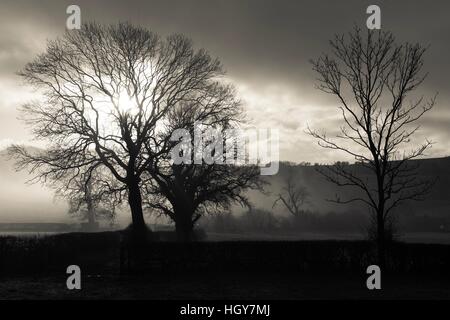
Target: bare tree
372 76
293 195
105 90
185 192
92 196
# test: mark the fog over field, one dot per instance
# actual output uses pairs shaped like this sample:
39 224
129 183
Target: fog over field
22 202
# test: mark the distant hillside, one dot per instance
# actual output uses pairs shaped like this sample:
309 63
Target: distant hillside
436 206
20 202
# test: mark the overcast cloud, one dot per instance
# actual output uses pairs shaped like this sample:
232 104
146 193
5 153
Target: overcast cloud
264 45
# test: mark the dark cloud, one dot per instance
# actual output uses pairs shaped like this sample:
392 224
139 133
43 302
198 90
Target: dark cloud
263 45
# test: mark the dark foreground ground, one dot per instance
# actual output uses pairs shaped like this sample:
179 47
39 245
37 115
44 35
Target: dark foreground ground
35 268
231 286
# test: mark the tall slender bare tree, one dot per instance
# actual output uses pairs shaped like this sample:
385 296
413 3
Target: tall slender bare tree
372 77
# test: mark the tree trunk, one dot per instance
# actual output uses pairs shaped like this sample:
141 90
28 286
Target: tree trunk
381 239
91 223
135 201
183 225
183 211
91 213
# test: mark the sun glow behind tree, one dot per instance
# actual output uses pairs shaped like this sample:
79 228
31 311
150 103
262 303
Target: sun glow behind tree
106 91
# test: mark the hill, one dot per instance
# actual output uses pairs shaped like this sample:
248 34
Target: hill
22 202
431 214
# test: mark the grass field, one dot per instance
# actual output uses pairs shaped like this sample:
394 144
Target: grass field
411 237
229 286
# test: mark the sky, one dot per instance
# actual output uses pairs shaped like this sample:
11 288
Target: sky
265 47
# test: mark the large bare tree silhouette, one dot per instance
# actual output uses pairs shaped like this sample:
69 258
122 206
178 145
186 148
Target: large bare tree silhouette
105 90
372 76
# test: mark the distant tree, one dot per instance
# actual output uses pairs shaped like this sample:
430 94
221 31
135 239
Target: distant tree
105 90
92 196
372 77
259 220
293 195
224 222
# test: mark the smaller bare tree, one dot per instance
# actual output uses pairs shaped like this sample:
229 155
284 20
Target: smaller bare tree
293 195
187 191
92 196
